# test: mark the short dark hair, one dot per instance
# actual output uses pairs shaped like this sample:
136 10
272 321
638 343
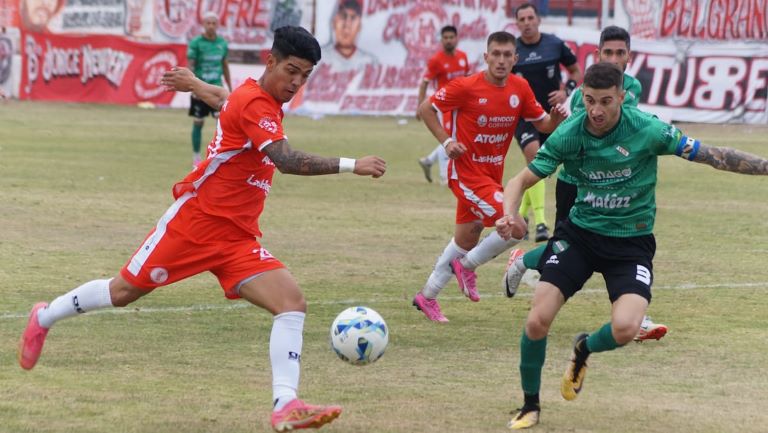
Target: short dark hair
614 33
295 41
501 37
355 5
526 6
449 28
604 75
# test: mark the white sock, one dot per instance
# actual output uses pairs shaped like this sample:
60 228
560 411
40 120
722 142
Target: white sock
486 250
442 273
92 295
442 159
435 155
285 355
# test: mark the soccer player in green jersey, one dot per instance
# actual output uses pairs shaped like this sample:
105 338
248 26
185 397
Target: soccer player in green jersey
611 150
207 58
614 47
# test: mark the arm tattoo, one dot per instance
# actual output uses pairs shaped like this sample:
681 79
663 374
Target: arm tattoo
725 158
291 161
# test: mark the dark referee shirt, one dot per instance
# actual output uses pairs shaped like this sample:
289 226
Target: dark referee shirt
539 64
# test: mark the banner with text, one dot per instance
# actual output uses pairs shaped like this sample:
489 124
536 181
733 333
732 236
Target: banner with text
375 65
105 69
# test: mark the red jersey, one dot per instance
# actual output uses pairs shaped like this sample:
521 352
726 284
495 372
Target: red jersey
235 179
442 67
485 117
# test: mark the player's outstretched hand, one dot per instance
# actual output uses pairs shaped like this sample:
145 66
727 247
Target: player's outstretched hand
558 113
557 97
370 166
455 149
511 226
178 79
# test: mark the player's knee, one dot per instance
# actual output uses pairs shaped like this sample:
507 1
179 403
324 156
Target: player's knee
624 331
292 302
536 327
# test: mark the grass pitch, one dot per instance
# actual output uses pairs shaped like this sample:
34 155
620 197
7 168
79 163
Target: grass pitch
80 186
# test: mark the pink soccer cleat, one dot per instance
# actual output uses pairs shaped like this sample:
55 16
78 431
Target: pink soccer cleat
429 307
299 415
32 339
467 280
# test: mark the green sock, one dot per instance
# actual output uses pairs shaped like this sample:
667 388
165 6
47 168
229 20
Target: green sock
525 204
602 340
532 354
197 135
538 194
532 257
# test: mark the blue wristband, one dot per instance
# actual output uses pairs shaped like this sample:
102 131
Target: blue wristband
687 148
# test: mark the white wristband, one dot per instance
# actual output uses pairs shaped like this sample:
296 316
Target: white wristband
346 165
447 141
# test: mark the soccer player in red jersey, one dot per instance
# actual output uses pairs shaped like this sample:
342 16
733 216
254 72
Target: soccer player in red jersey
444 66
214 223
485 108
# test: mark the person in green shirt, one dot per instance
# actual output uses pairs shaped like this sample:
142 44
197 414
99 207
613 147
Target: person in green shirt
611 150
614 47
207 58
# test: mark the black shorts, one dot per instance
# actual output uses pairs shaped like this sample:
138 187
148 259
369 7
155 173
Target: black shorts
565 197
526 133
199 109
573 254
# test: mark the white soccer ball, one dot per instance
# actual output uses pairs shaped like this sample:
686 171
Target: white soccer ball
359 335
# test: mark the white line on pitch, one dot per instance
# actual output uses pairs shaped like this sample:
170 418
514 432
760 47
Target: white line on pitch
372 301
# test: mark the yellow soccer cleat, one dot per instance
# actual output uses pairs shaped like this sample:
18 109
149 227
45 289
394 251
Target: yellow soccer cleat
525 418
573 379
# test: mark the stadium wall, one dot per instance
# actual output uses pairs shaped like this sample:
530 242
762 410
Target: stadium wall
698 61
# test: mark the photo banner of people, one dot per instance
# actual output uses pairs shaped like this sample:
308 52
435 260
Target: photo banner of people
374 53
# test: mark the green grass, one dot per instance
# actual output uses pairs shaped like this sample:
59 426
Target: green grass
80 185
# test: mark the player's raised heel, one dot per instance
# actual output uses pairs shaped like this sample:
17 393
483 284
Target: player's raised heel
573 379
299 415
467 280
512 276
32 340
426 166
650 331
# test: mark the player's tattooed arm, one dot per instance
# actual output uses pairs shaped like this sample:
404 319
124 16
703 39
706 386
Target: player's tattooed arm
290 161
728 159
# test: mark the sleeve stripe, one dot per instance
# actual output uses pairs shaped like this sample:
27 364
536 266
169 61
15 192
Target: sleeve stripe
536 119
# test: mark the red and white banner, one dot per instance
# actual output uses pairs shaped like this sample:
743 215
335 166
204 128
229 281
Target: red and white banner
104 69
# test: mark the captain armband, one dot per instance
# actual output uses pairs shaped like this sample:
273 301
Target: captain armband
687 147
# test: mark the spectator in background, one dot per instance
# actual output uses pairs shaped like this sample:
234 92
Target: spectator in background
207 58
539 58
342 53
444 66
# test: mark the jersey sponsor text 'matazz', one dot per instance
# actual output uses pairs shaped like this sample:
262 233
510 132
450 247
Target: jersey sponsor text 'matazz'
235 179
485 117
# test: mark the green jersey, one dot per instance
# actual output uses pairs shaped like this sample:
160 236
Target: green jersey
615 174
209 58
633 90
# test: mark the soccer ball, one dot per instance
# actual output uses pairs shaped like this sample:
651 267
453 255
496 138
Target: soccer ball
359 335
